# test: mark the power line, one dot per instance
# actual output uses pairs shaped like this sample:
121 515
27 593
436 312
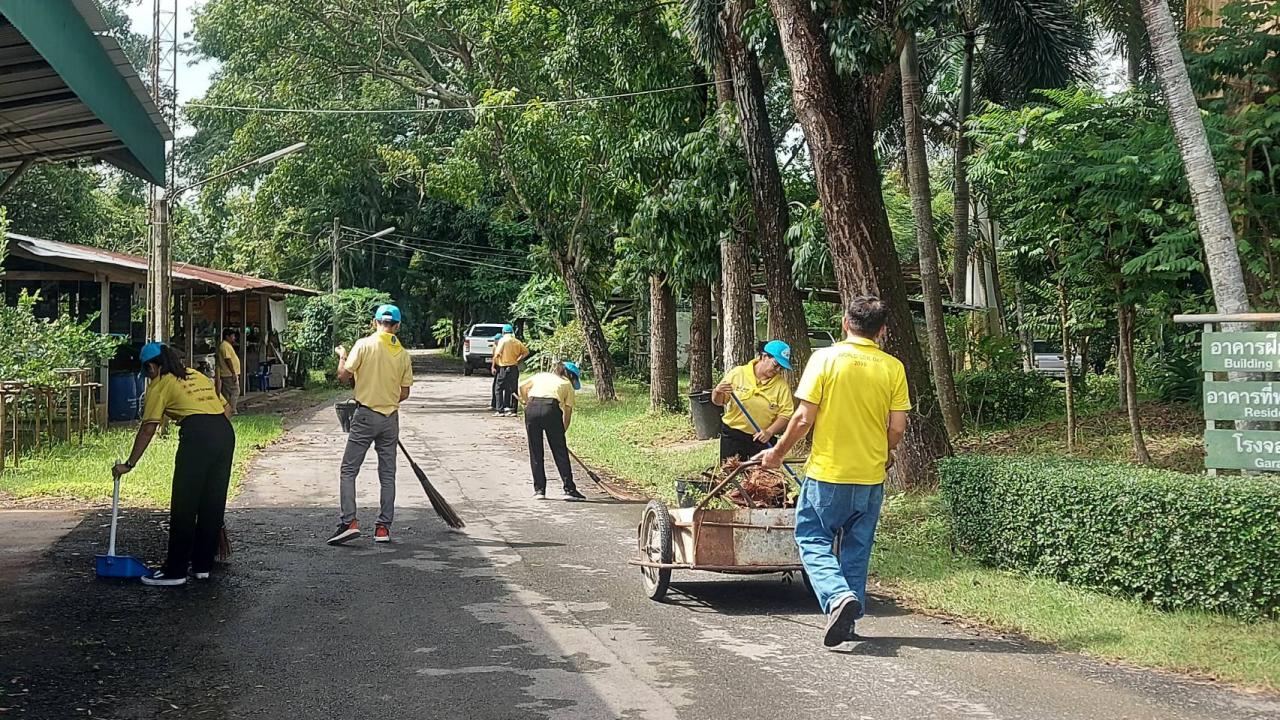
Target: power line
481 251
452 259
437 110
385 252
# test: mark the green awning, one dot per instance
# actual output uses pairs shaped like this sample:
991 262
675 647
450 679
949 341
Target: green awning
68 91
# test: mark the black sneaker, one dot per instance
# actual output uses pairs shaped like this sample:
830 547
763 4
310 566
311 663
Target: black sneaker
574 496
345 532
159 579
840 620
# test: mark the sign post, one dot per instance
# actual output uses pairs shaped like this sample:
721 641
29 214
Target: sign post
1237 399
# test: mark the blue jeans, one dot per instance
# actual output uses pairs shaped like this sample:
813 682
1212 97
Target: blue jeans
824 511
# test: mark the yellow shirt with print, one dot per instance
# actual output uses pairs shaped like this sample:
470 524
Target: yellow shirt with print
766 402
509 351
228 361
855 385
176 399
381 366
548 385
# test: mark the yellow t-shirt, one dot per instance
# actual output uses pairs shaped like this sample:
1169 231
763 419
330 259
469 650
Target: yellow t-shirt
509 351
228 361
855 385
381 366
766 402
168 396
548 385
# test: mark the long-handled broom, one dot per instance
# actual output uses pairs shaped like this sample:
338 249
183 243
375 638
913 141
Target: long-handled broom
610 489
441 506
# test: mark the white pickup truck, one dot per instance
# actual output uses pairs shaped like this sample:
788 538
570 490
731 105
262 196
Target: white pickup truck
477 346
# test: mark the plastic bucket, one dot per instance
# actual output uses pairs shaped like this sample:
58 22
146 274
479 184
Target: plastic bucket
706 415
345 409
122 397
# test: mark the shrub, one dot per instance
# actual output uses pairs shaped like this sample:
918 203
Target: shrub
1000 397
328 319
1173 540
569 342
35 347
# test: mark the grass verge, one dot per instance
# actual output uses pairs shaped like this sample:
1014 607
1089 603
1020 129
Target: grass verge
70 473
913 560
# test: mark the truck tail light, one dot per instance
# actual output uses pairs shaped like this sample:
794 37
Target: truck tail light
466 346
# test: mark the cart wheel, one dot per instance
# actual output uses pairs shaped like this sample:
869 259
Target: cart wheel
808 584
467 369
655 545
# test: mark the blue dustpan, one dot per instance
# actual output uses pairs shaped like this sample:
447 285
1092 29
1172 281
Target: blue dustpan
112 565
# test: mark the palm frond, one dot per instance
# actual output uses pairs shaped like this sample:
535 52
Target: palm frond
700 21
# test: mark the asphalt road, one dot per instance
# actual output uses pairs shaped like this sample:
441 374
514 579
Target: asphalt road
530 612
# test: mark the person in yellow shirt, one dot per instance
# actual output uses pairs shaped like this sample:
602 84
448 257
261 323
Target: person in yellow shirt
201 468
229 368
383 374
760 389
854 396
548 400
505 366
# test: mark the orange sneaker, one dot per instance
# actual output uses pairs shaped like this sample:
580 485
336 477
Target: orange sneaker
345 532
382 533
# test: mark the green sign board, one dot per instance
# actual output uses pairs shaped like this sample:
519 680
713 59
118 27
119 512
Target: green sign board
1242 449
1244 351
1241 400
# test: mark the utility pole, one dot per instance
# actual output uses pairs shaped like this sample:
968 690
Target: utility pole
163 71
334 239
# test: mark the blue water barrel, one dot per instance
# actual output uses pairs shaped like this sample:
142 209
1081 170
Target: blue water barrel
122 396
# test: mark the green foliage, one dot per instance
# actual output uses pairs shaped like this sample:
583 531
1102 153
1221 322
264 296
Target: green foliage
35 347
1173 378
1176 541
328 320
569 342
1002 397
442 333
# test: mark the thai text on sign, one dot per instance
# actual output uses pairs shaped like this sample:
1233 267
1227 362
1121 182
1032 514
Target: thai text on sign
1244 351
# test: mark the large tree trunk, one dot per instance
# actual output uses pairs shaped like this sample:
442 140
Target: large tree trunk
717 342
1025 340
786 303
664 384
737 319
700 350
597 345
1212 215
927 240
1129 381
839 126
960 253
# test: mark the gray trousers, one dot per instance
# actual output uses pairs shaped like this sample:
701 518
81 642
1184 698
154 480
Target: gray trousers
382 431
230 389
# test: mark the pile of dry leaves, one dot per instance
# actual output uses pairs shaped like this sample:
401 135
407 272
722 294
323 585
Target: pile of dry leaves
765 488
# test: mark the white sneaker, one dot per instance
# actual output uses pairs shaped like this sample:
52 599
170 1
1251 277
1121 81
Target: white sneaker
202 576
161 580
539 496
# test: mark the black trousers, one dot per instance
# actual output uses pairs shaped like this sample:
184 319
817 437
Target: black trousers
543 417
508 383
735 443
201 474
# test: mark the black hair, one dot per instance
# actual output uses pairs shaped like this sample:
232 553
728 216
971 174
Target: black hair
866 315
559 369
168 363
228 332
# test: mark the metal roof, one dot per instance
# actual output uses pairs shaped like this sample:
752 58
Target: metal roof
88 258
68 91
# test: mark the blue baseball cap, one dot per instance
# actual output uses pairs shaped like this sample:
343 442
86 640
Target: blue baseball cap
779 351
507 329
576 372
150 351
387 312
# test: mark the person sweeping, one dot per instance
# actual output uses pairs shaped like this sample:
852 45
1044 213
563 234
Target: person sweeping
507 355
383 374
548 400
201 468
757 402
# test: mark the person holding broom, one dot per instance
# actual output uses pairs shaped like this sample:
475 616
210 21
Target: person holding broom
757 402
201 468
383 374
548 401
508 353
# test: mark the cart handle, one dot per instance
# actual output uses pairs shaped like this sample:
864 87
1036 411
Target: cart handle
730 478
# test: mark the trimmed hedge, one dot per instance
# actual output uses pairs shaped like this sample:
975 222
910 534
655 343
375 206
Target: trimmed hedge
1173 540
